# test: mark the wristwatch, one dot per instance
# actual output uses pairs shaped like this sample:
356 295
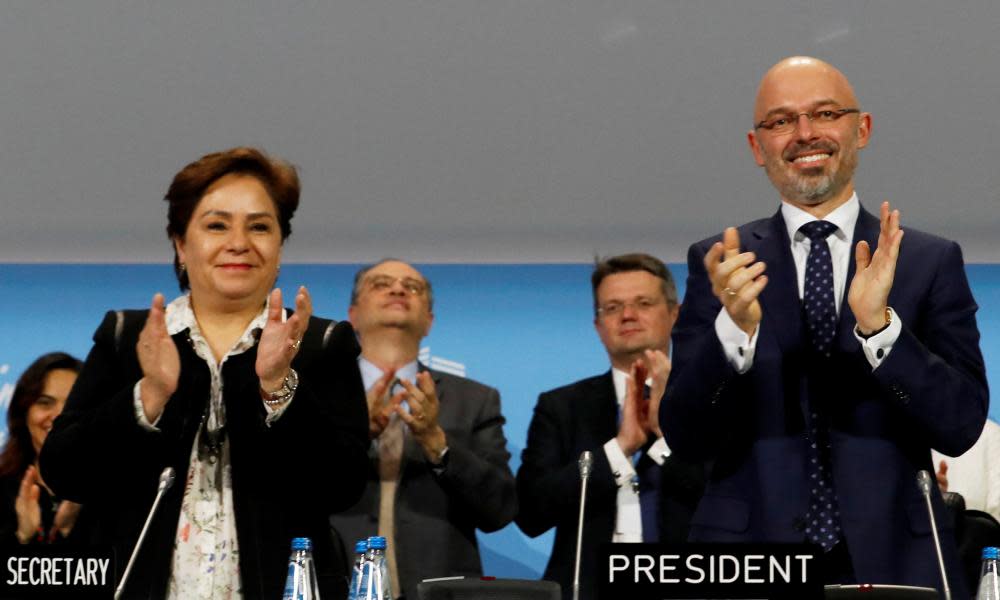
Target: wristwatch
285 392
888 321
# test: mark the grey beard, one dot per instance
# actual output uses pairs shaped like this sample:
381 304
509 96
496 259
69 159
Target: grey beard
811 190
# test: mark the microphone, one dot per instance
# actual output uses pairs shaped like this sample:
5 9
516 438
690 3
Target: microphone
925 482
166 480
586 464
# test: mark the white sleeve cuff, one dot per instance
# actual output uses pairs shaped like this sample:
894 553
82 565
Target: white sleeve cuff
878 346
140 412
273 414
621 465
738 346
659 451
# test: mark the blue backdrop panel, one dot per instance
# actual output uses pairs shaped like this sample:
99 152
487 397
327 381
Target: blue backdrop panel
520 328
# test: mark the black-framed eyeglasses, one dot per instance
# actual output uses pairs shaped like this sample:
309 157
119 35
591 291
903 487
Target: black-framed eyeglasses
787 122
381 283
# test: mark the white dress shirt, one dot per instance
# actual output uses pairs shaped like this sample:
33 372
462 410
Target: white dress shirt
628 514
740 347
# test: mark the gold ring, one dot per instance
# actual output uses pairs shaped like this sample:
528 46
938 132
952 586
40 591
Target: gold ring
295 345
729 291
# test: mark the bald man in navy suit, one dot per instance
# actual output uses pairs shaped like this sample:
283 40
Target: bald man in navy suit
820 355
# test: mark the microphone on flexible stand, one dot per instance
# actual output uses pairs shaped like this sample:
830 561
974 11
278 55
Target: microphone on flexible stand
924 482
586 464
166 480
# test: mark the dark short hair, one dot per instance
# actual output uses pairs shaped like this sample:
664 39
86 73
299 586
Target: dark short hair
280 179
359 278
636 261
19 453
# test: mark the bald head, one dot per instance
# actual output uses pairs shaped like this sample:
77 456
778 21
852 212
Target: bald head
795 75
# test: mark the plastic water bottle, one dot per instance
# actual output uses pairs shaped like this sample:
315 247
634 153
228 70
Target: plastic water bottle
375 575
360 549
989 575
301 583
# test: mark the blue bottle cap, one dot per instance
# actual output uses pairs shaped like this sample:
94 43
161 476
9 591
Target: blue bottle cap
302 543
376 542
991 552
361 546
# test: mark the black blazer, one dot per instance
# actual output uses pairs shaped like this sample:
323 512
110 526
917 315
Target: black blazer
436 515
287 478
568 420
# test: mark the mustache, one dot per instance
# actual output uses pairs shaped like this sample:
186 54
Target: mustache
799 148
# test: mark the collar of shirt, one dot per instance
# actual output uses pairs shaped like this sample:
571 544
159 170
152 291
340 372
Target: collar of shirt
844 217
180 316
370 373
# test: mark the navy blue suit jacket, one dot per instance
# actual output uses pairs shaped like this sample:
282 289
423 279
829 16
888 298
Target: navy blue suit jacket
930 392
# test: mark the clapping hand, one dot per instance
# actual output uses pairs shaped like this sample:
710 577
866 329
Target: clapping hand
868 296
380 405
737 280
422 418
640 415
280 340
29 515
159 360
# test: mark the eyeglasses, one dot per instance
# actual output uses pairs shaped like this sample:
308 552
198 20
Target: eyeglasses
786 123
615 308
381 283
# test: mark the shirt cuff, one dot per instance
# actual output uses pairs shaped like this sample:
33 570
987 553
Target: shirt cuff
737 345
659 451
140 412
621 466
273 414
878 346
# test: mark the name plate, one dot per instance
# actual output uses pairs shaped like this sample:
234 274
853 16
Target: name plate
669 571
57 572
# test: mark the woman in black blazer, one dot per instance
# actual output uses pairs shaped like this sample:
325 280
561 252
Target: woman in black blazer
260 410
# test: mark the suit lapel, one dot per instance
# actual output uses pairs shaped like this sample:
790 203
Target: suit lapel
601 410
780 298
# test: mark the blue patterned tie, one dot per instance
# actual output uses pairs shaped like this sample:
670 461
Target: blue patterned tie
817 294
823 518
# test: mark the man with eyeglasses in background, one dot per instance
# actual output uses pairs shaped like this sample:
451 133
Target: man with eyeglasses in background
638 492
820 356
439 456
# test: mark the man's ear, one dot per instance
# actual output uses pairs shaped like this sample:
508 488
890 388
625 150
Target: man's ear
864 129
754 143
430 322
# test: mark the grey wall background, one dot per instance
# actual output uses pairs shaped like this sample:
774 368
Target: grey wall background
475 130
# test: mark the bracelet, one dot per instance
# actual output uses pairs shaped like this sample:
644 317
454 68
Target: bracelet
285 392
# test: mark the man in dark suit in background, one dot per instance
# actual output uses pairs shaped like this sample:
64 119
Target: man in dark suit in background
638 491
815 374
439 457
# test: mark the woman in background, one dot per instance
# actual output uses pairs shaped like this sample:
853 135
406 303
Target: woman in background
260 411
31 514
